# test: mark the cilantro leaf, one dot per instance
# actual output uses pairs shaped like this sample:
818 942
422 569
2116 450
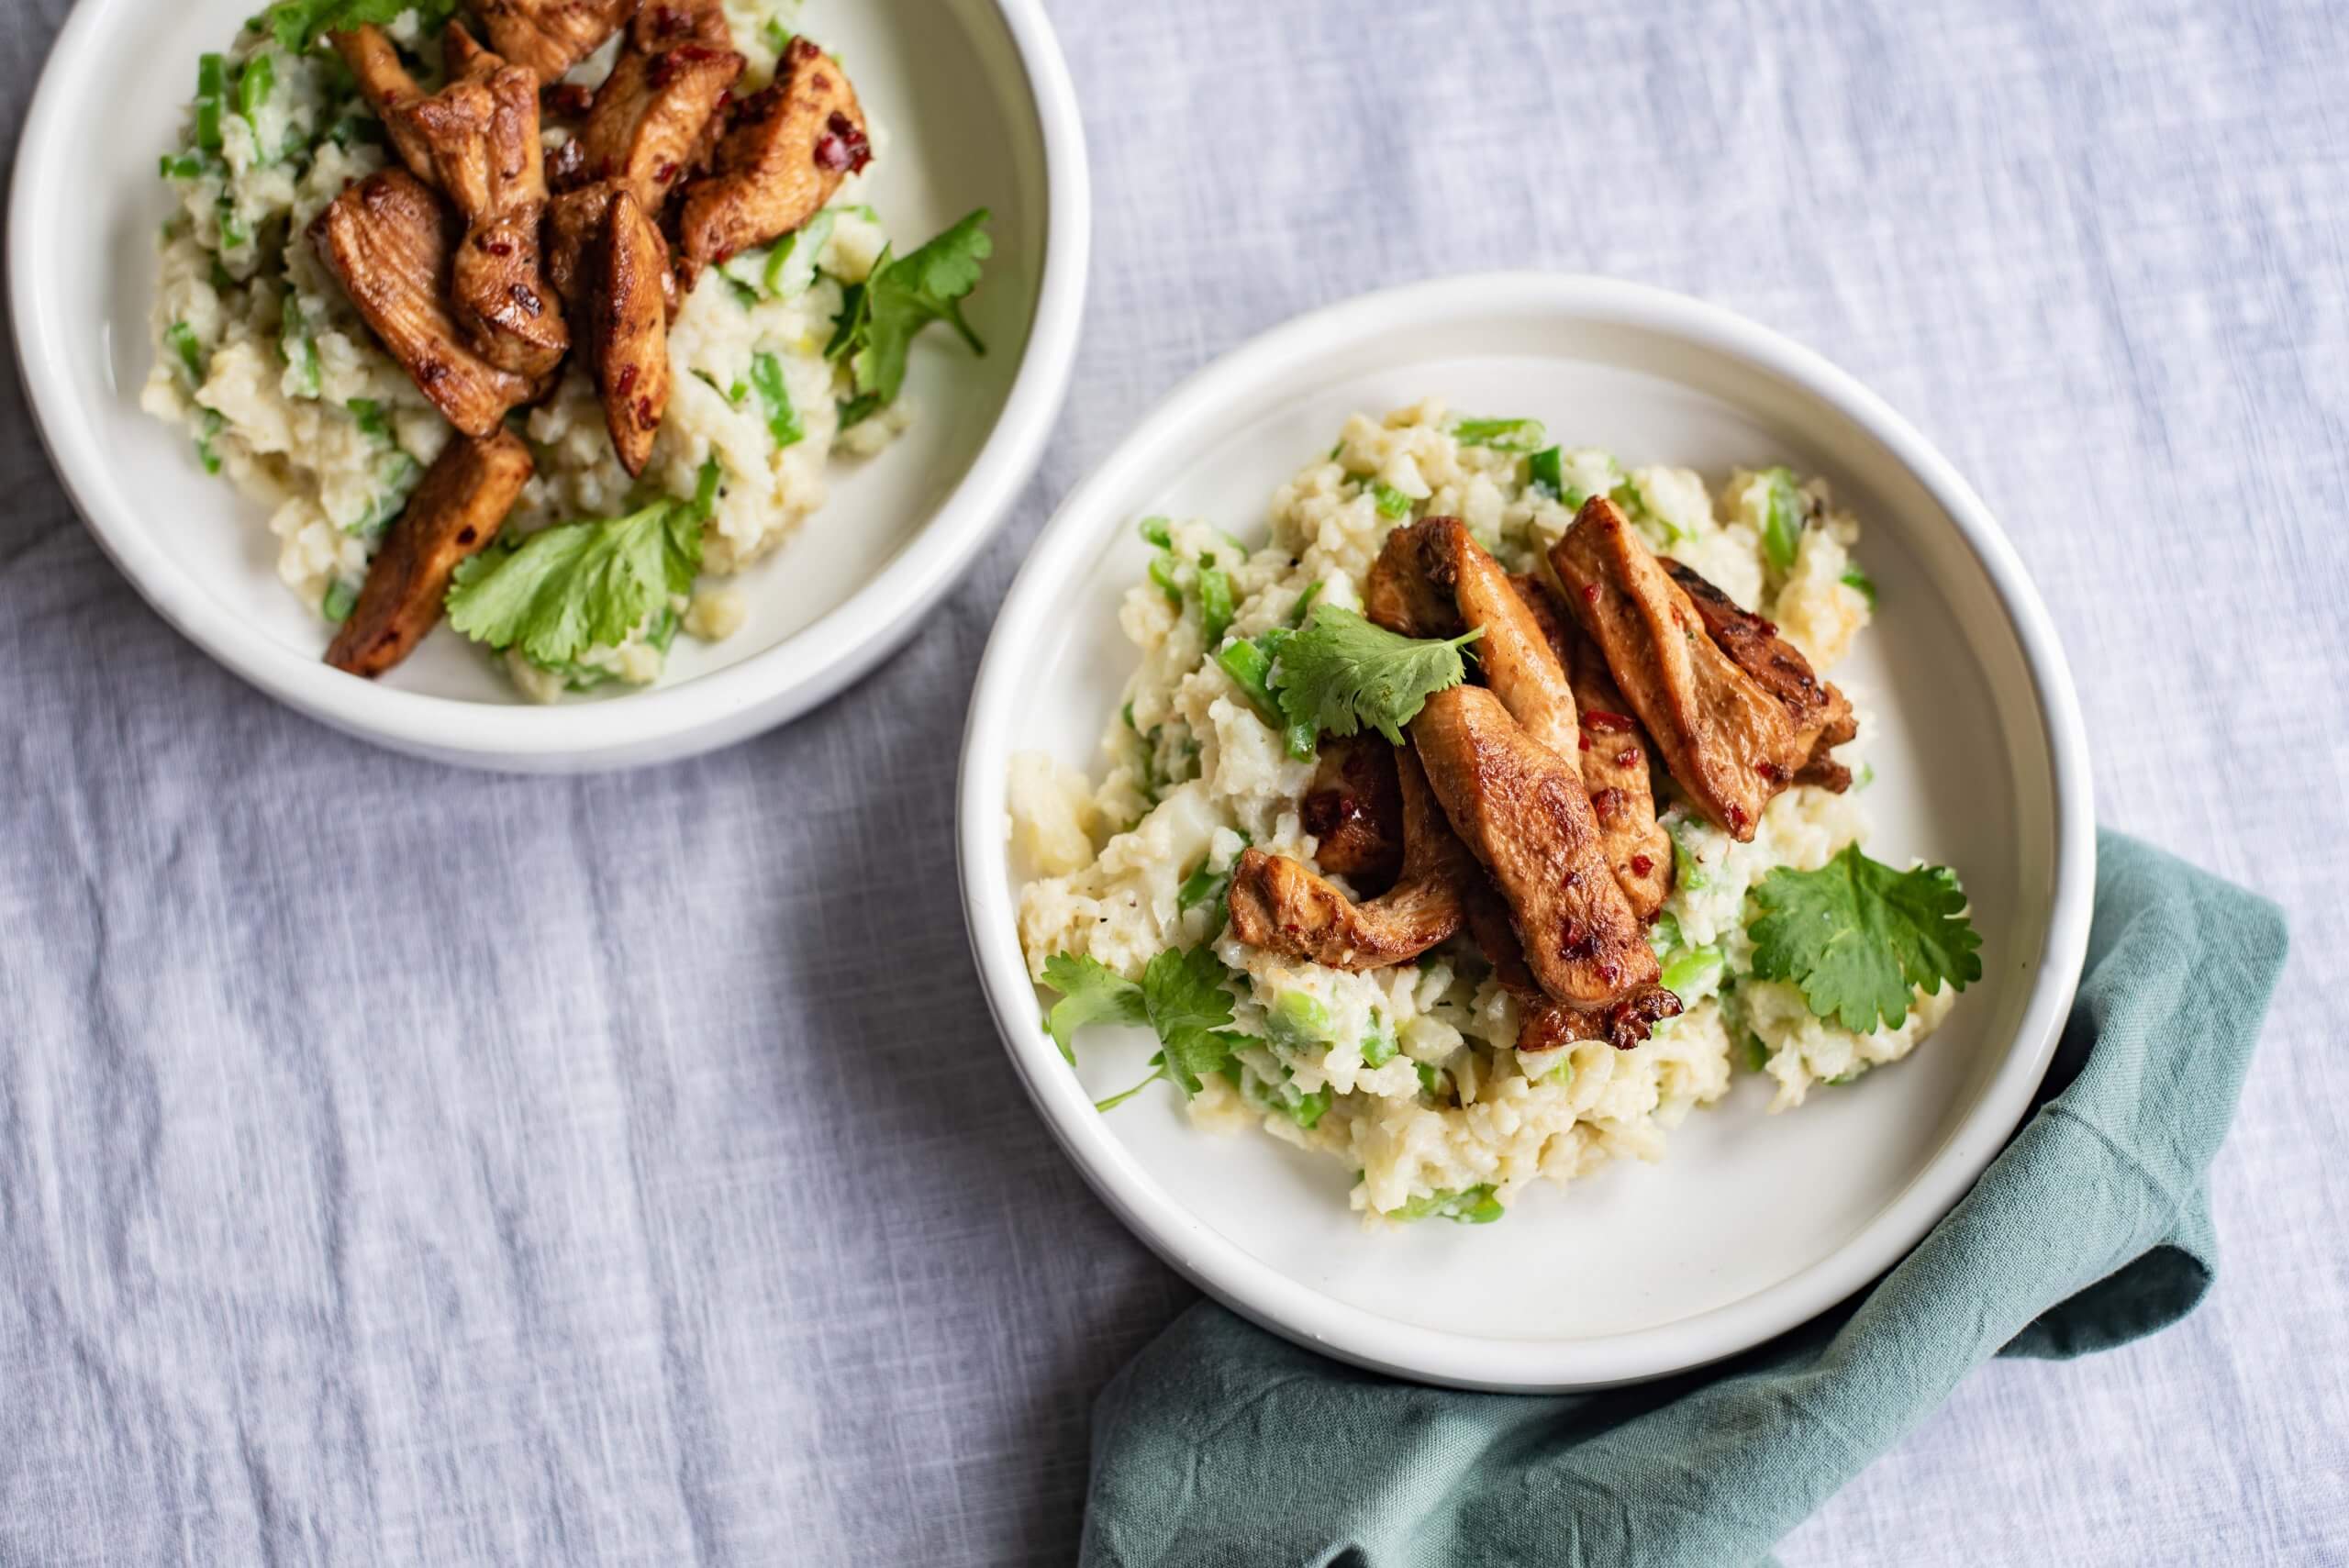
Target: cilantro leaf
297 24
1468 1206
1181 997
1342 673
584 584
880 317
1856 936
1091 991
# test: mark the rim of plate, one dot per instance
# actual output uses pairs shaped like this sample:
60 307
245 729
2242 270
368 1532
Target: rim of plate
765 689
1261 1292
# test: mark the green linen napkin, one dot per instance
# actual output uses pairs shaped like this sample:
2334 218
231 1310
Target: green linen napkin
1224 1445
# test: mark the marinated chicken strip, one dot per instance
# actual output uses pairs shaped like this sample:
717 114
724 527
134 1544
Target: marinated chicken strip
575 228
1520 809
455 509
651 114
1355 811
665 24
1614 758
483 134
1814 707
1279 905
1545 1023
629 331
550 36
790 145
1432 579
1727 741
390 241
462 56
384 83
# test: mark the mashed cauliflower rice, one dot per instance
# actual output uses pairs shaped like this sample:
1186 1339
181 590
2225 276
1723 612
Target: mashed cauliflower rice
1411 1075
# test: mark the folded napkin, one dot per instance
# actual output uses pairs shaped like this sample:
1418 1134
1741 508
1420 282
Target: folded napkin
1224 1445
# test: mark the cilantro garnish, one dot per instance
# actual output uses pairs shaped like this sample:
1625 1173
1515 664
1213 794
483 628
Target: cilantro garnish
1181 997
879 316
1857 937
584 584
1342 674
297 24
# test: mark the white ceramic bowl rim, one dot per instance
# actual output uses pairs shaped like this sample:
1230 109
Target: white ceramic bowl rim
816 661
1256 1289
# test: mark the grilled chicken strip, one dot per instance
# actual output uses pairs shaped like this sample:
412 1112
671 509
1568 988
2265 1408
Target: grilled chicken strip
455 510
1432 579
384 83
462 56
629 332
1355 811
1727 742
390 241
1520 809
665 24
1280 906
550 36
790 145
1814 707
1545 1023
1614 756
482 132
651 116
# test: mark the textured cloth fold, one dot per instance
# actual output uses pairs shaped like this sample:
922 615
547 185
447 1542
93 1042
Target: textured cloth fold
1224 1445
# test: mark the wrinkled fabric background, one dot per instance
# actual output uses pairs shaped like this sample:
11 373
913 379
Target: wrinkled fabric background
399 1165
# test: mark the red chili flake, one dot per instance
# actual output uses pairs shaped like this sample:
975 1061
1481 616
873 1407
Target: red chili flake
1628 757
1583 742
1590 592
496 247
1770 771
1607 723
431 372
1736 817
646 415
1642 865
843 147
626 382
1607 802
664 171
1608 974
466 535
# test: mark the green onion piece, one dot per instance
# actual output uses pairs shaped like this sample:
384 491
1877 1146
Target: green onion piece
208 124
1250 668
233 234
1664 935
295 347
369 414
706 484
1392 503
181 166
1693 971
1378 1048
778 37
1687 871
211 75
254 85
180 338
791 264
1502 435
1781 521
340 597
1298 1020
208 424
1862 583
1303 1108
782 420
1215 605
222 278
1546 471
1757 1055
1161 571
1158 531
1430 1078
1304 605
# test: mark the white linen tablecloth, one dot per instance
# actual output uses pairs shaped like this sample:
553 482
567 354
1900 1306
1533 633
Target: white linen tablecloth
407 1166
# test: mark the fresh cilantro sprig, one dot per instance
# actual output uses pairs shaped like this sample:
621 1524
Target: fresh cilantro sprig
298 23
1857 937
584 584
1181 997
1342 674
879 316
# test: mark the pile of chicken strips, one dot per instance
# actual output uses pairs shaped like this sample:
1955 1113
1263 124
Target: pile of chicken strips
1522 808
484 264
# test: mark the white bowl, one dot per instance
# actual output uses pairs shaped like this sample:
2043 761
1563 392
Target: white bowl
977 109
1751 1223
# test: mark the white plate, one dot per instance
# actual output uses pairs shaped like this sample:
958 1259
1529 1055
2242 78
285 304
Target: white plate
1751 1223
978 111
